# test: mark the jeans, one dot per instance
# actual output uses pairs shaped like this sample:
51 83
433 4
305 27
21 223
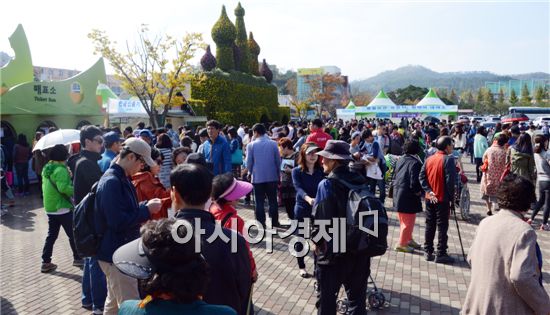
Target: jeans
381 183
55 222
22 170
437 216
479 173
260 192
543 202
352 271
94 285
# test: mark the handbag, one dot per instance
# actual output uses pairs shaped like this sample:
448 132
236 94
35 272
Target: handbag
237 157
484 166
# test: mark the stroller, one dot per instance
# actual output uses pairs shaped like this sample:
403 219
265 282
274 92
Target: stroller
375 299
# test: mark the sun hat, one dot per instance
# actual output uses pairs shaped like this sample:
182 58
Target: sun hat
236 190
312 148
336 150
135 260
140 147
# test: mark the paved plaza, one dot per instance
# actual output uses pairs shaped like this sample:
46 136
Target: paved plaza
410 284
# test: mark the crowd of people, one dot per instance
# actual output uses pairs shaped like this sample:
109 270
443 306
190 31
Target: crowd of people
144 179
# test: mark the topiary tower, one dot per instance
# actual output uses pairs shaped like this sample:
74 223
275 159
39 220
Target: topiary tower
224 34
208 61
266 72
242 41
237 55
254 50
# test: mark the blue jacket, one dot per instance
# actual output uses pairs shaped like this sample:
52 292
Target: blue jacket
219 156
230 274
306 185
119 215
106 159
263 160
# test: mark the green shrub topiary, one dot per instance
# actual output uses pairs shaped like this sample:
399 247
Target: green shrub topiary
254 50
242 41
224 34
234 97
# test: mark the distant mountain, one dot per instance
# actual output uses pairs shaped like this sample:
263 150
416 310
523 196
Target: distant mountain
423 77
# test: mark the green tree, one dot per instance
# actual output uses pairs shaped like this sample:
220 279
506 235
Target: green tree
466 100
501 105
453 97
412 93
513 98
525 97
146 71
539 95
488 101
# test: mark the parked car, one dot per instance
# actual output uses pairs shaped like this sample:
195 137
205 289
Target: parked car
476 118
494 119
539 121
488 124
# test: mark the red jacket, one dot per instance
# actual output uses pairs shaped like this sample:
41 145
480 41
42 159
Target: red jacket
319 137
149 187
438 174
227 211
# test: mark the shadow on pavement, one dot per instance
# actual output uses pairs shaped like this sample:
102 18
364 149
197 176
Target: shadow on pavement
396 299
71 276
6 308
19 219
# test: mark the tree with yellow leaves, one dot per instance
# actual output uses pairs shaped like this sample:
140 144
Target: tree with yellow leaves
153 70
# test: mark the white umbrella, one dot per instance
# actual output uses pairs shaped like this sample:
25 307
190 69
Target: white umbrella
62 136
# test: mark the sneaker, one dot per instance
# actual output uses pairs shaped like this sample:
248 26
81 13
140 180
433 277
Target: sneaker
489 213
78 263
444 259
414 245
303 273
429 256
88 307
404 249
48 267
98 311
545 227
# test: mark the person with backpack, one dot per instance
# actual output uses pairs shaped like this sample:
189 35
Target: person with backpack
438 179
86 172
57 190
350 268
118 217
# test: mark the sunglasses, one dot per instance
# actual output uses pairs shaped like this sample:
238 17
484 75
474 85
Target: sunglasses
99 140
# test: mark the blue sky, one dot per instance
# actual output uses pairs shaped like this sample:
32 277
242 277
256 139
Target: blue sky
361 37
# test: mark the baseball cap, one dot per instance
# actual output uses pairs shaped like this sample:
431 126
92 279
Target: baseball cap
112 137
146 132
140 147
312 148
355 134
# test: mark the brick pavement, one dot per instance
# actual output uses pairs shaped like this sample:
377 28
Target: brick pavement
410 284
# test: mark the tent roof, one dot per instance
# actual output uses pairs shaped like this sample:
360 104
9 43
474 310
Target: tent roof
381 100
351 105
431 99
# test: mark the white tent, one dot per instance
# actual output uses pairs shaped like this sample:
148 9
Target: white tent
431 99
381 100
126 108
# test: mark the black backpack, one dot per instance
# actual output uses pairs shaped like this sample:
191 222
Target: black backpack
86 239
365 213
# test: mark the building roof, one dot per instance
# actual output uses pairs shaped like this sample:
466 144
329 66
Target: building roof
381 100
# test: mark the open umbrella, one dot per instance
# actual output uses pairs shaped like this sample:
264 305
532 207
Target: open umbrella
514 117
62 136
105 93
432 119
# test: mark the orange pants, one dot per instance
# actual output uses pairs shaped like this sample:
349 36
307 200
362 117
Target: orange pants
406 223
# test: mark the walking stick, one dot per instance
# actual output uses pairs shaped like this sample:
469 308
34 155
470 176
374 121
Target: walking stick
458 229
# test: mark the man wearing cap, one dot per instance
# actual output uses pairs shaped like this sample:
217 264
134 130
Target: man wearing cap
147 136
112 148
119 217
337 269
172 134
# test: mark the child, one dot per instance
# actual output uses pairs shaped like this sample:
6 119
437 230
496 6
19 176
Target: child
226 192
